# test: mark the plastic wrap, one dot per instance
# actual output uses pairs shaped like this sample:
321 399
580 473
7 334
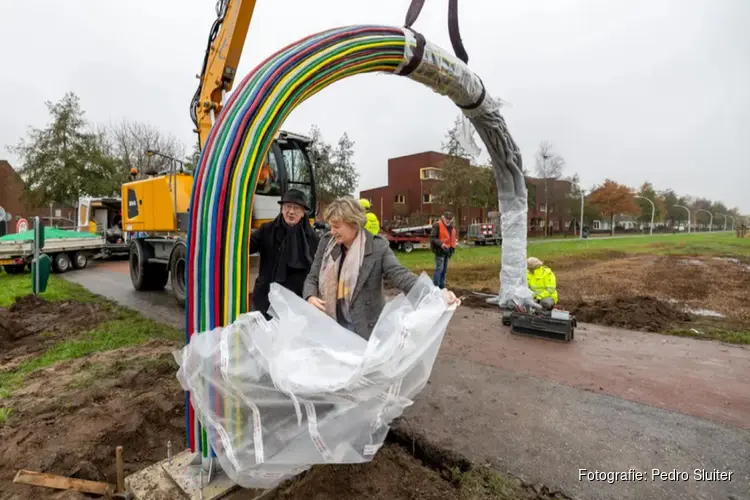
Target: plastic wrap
300 390
447 75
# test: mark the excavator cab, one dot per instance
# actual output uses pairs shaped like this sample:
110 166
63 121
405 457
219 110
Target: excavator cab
289 166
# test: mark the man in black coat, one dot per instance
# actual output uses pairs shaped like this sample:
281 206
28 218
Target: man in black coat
287 246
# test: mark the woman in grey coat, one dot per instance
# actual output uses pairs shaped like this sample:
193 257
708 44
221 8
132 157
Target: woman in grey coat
346 278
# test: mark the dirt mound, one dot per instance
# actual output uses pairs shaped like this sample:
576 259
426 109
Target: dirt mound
32 323
393 473
396 474
680 280
69 419
635 313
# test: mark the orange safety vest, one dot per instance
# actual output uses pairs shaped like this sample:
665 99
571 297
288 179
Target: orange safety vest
446 238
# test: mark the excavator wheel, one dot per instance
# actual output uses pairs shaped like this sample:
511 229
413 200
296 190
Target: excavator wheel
145 275
177 272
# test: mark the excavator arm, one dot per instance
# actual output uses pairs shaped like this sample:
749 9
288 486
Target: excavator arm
220 62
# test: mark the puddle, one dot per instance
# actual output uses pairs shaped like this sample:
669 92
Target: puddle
733 261
693 262
705 312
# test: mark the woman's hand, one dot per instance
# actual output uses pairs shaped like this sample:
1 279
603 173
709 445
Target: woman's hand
449 297
320 304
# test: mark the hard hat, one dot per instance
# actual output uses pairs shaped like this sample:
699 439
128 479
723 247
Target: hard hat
364 203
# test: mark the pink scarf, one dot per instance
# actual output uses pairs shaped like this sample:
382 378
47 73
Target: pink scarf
338 287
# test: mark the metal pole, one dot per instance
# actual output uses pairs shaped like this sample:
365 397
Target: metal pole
734 222
653 212
688 211
711 220
580 226
36 254
725 221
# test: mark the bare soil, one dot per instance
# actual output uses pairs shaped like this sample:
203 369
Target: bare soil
696 283
635 313
69 419
646 292
468 298
32 324
396 473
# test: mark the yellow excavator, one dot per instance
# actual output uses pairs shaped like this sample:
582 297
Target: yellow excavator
155 208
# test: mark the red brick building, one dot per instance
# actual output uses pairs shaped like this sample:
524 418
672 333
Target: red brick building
409 197
14 201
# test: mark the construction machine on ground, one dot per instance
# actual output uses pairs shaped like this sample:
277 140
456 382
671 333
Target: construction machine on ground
155 208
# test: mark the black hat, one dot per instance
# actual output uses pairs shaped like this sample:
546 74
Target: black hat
295 196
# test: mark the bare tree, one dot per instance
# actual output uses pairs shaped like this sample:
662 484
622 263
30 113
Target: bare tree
130 140
455 188
549 168
335 172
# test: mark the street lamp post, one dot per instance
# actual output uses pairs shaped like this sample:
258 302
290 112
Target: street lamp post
580 226
711 220
725 220
688 211
653 212
734 222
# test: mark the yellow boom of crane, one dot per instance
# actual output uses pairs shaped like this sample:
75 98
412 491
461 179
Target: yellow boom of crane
155 208
225 43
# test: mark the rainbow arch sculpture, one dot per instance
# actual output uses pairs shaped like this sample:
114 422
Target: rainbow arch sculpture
227 173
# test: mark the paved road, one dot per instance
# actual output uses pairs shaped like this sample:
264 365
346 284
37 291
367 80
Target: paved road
111 279
505 404
545 432
700 378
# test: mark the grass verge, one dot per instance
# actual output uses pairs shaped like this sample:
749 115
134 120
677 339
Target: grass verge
729 336
481 482
703 244
13 286
128 328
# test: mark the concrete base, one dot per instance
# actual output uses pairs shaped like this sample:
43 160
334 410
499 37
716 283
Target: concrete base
179 479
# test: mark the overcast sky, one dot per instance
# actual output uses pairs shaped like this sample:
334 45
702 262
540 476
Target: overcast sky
634 90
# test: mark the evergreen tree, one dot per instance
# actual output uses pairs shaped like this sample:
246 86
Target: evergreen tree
66 159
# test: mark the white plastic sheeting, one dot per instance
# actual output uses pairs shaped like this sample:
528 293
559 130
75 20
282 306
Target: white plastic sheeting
449 76
300 390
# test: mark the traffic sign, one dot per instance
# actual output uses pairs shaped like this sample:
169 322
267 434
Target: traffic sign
22 225
2 213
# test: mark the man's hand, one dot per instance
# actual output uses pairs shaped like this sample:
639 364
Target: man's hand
320 304
445 246
449 297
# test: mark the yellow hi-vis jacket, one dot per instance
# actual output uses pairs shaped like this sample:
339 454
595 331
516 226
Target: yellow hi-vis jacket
372 224
542 283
